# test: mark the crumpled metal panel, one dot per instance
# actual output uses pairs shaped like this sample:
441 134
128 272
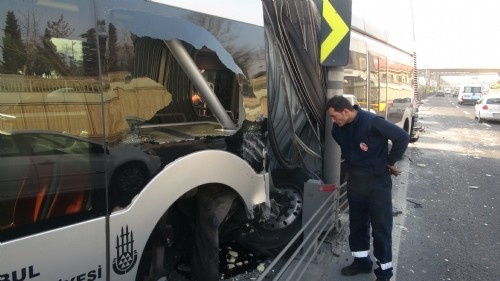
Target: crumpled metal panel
296 84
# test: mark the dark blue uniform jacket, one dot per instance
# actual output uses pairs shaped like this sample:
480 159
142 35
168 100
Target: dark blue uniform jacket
364 144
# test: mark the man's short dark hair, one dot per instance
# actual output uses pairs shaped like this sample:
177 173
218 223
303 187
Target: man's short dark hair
339 103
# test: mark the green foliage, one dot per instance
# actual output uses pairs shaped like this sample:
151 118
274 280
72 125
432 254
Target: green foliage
14 51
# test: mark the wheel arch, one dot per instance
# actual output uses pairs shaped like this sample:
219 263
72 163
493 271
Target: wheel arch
407 125
180 177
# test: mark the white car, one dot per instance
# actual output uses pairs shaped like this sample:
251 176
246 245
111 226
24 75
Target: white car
488 108
354 101
399 105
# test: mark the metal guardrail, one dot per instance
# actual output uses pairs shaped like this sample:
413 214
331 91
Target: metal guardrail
320 226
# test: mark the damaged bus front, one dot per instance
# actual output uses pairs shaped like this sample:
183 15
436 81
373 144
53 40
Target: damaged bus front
140 138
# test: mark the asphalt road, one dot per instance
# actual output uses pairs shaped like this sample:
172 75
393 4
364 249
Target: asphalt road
451 229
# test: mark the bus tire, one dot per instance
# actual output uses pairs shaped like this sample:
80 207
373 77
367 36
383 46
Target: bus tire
271 237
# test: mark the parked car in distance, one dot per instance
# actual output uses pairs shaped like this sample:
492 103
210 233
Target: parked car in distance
447 91
399 105
351 98
488 108
440 93
354 101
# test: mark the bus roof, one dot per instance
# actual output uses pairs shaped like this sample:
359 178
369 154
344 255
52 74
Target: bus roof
389 21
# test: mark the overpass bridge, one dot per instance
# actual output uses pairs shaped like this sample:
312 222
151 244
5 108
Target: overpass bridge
435 74
423 72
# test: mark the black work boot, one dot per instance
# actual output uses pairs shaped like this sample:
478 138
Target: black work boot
359 265
383 279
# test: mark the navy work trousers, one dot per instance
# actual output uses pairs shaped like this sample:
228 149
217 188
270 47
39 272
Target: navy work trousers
370 203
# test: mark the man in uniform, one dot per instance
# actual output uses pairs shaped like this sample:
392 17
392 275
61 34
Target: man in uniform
363 139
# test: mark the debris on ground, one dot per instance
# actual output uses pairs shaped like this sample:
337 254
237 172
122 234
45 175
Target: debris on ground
416 204
396 213
236 260
260 267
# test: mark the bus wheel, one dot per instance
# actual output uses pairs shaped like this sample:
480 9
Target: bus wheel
271 236
286 207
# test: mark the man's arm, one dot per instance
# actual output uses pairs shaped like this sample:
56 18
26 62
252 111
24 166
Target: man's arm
399 138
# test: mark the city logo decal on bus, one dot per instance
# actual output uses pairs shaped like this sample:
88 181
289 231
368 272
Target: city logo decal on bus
126 256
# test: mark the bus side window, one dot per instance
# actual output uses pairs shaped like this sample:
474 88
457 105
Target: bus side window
47 97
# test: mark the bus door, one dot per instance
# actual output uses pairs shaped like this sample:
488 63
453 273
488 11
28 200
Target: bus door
377 89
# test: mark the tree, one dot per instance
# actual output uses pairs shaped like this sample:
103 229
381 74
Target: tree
29 23
59 28
89 48
112 56
49 58
14 51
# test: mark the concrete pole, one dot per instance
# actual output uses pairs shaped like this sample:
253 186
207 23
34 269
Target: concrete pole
331 156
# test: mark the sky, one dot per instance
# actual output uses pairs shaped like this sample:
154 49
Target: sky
457 33
448 33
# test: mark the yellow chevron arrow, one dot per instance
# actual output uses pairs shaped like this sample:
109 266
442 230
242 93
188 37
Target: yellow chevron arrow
339 30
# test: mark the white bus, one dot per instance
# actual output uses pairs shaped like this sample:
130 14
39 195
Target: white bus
136 136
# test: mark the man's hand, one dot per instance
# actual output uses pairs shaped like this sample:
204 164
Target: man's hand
394 171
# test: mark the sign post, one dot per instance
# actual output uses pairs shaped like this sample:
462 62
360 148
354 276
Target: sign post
334 54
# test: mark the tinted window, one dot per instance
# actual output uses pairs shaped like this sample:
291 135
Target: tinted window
141 63
472 89
355 81
493 101
49 98
377 92
8 146
154 103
